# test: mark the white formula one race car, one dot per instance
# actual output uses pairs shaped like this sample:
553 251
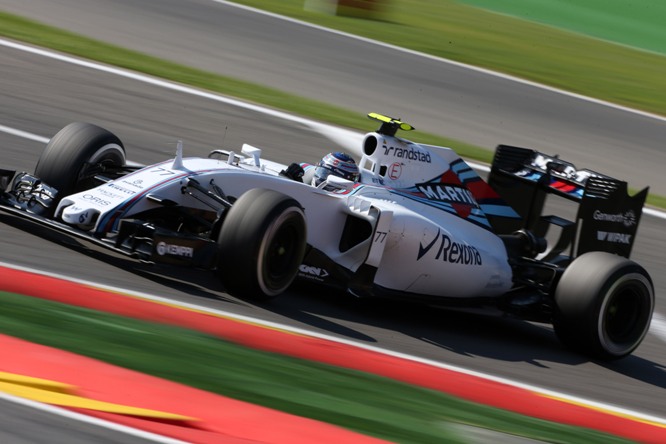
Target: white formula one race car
419 224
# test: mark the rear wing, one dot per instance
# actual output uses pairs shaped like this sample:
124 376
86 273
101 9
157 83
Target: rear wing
607 217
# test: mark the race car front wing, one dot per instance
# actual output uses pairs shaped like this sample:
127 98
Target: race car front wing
26 198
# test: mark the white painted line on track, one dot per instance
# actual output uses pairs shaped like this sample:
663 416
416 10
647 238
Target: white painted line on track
655 213
275 325
658 326
89 419
316 126
23 134
447 61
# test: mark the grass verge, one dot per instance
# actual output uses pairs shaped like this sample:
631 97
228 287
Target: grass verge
639 24
355 400
457 31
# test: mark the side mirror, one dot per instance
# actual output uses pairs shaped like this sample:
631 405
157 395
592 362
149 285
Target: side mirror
253 152
339 183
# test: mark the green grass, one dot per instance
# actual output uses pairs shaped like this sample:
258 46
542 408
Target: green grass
633 23
479 37
355 400
28 31
656 201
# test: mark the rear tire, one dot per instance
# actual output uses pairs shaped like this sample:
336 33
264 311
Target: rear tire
261 244
75 154
604 305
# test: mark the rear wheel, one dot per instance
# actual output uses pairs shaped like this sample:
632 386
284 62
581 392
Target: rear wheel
604 305
76 154
261 244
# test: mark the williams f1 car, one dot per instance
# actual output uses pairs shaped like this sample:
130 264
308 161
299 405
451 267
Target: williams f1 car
419 224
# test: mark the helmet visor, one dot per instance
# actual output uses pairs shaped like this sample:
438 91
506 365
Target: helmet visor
321 173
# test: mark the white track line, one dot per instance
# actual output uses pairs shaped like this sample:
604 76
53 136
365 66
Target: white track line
658 326
161 83
23 134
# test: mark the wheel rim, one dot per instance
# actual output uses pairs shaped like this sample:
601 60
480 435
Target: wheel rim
626 315
280 252
622 315
109 155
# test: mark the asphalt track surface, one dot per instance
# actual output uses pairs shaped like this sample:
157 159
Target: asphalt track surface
41 95
19 427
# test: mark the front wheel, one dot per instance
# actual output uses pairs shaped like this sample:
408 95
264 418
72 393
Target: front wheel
261 244
76 154
604 305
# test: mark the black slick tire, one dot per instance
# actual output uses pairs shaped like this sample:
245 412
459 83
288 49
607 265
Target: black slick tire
604 305
75 153
262 242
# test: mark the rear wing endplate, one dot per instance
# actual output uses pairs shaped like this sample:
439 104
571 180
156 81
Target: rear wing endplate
607 217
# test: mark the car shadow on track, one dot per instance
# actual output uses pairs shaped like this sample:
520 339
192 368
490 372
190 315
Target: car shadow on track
429 331
461 333
639 369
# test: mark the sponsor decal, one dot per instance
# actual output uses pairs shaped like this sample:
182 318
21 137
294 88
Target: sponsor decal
614 238
311 272
118 188
395 170
454 194
83 217
108 193
450 251
164 249
96 200
138 183
628 219
410 153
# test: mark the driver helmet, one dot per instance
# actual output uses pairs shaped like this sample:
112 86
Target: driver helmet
338 164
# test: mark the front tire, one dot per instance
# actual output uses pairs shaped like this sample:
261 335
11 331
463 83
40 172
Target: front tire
75 154
261 244
604 305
